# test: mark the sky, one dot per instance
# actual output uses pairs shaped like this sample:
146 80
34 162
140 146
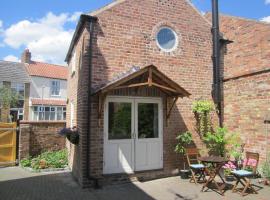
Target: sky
46 27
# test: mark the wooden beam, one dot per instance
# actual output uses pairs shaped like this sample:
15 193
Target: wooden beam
125 79
150 77
131 85
166 79
164 87
170 110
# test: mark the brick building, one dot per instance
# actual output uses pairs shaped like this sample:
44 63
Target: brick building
247 81
130 61
47 92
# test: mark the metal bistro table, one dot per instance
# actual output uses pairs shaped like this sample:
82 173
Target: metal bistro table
215 162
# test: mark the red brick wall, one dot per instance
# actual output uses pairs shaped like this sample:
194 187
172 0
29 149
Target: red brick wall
125 36
247 94
36 137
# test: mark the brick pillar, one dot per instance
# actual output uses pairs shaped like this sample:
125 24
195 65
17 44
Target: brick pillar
5 111
26 108
24 141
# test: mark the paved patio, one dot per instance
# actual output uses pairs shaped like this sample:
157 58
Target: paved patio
18 184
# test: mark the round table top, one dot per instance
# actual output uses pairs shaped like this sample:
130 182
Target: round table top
213 159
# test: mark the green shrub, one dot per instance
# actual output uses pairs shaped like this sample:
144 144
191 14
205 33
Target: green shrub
26 162
48 159
216 141
184 139
265 168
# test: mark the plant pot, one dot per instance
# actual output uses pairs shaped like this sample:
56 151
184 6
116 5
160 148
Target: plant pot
229 178
184 173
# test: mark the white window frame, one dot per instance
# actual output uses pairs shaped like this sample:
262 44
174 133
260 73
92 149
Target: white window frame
176 39
52 109
58 85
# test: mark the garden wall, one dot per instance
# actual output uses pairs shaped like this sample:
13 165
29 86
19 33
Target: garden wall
38 136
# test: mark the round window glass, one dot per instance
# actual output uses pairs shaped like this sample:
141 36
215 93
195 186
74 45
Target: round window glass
166 39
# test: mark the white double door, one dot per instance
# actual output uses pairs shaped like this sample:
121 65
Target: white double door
132 134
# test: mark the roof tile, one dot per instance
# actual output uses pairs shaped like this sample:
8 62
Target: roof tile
47 70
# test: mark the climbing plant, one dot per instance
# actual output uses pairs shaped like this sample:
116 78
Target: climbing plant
202 110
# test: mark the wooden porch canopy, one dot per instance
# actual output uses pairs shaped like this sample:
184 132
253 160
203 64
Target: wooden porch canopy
148 76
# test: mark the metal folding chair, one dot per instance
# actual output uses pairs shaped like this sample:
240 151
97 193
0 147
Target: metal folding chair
243 176
197 169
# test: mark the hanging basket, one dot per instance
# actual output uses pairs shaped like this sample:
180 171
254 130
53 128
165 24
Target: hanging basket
71 134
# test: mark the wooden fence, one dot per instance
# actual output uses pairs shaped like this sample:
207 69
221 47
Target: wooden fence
7 144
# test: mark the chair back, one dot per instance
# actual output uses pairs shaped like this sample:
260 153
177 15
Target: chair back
251 161
192 155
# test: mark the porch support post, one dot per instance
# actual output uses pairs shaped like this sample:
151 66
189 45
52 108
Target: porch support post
101 98
171 107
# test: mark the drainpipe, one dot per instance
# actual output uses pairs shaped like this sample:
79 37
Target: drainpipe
91 20
91 32
216 60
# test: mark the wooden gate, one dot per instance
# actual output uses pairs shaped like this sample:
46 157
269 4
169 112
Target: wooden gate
7 144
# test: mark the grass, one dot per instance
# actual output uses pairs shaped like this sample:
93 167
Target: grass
48 159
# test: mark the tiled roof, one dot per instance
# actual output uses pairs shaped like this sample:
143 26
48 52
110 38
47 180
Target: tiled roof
47 70
13 72
53 102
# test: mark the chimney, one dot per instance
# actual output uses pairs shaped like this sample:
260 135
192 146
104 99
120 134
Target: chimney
26 56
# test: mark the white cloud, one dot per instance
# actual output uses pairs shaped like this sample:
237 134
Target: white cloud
11 58
1 23
267 1
46 38
266 19
74 17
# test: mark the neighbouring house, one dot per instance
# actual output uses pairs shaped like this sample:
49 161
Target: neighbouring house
48 95
14 76
135 67
247 81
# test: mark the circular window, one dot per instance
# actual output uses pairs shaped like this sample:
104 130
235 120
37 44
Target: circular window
166 39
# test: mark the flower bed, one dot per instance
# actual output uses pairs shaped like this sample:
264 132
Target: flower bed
46 160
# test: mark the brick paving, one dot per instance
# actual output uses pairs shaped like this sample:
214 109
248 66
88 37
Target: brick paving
18 184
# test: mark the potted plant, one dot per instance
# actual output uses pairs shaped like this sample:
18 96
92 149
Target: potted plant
228 168
235 148
183 141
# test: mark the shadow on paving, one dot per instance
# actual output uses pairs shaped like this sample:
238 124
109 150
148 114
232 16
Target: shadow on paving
62 186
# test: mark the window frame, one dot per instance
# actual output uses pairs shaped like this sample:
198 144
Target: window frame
176 39
52 112
53 89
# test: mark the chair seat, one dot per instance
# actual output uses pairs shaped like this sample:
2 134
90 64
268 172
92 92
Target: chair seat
242 173
197 166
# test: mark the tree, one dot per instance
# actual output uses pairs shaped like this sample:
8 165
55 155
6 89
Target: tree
8 98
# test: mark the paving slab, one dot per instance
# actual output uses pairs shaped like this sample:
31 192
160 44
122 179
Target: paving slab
18 184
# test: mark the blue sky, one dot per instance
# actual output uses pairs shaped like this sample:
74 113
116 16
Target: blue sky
46 26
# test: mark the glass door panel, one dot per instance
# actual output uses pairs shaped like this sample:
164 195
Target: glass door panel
119 120
148 126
